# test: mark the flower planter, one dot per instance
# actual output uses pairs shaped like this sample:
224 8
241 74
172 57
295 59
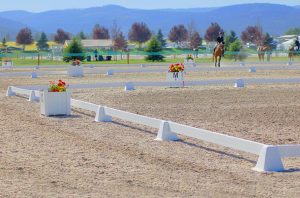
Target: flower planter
7 64
55 103
175 79
189 63
75 71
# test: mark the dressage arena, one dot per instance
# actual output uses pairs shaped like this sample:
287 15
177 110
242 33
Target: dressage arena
77 157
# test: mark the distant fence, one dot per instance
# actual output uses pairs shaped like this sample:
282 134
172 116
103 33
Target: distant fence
171 52
269 156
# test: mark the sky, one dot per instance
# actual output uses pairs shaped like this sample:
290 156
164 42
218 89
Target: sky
44 5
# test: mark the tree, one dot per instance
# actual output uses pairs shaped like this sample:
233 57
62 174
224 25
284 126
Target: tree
42 42
178 34
24 37
100 32
269 41
160 38
120 42
4 42
139 33
252 34
74 51
293 31
115 30
195 40
153 48
230 39
234 48
61 36
191 28
81 35
212 32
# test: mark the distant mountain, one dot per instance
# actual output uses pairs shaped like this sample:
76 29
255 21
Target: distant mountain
9 27
275 19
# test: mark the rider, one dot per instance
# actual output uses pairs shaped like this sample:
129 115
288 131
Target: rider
297 43
220 40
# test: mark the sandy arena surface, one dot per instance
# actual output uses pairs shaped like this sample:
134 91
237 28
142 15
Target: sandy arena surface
76 157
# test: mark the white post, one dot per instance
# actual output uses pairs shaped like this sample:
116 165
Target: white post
110 72
142 65
239 83
9 92
101 115
165 134
269 160
252 70
32 97
129 86
33 75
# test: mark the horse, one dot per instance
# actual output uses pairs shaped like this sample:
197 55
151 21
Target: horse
261 50
291 53
218 53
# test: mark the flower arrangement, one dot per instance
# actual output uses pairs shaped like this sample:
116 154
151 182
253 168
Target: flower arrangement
178 67
59 87
189 57
76 62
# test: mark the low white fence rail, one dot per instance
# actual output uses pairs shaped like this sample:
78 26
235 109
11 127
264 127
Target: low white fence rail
270 156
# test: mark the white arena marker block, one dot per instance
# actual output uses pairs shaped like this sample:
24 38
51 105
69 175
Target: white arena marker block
110 72
289 63
34 75
239 83
37 67
129 86
252 70
165 134
142 66
242 64
32 97
269 160
101 115
9 92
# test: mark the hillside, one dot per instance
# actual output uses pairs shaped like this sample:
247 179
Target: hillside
275 19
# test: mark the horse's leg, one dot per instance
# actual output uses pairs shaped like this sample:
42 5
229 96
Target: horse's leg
219 60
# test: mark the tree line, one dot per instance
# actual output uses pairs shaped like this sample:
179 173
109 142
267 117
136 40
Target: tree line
183 36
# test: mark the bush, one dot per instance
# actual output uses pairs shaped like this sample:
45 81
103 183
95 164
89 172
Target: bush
100 58
108 58
74 51
154 48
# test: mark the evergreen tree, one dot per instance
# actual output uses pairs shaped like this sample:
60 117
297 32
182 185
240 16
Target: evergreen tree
234 48
295 31
42 42
160 38
74 51
81 35
153 48
4 42
230 39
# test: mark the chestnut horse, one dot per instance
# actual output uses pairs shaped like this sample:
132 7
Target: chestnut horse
261 50
217 55
291 53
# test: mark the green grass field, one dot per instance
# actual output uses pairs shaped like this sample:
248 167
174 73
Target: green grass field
27 62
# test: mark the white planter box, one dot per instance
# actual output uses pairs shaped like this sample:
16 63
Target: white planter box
189 63
75 71
7 64
55 103
175 79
